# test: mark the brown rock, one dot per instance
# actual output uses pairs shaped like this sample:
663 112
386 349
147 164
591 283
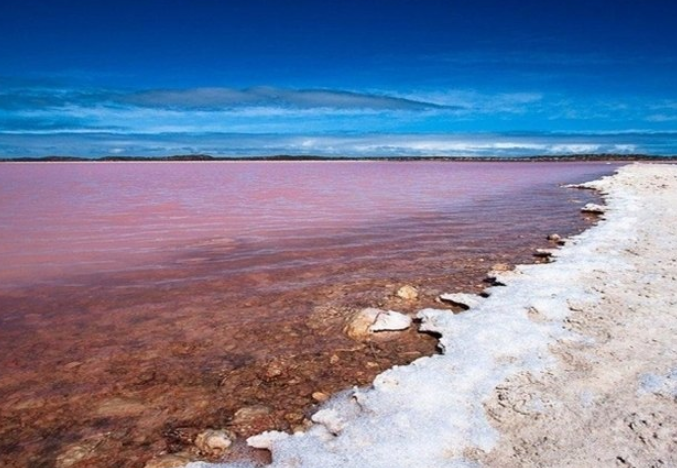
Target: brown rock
294 418
168 461
407 292
214 442
120 407
248 414
500 267
79 451
275 369
358 324
320 397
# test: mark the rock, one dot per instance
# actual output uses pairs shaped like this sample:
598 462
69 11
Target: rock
320 397
168 461
407 292
462 299
76 453
555 238
248 414
364 323
294 417
358 324
593 208
390 321
275 368
500 267
214 442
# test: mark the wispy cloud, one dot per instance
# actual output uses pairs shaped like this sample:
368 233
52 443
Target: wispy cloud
29 97
225 98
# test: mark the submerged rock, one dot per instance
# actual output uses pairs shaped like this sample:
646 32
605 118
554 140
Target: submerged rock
80 451
462 299
320 397
407 292
248 414
358 324
168 461
555 237
370 320
214 442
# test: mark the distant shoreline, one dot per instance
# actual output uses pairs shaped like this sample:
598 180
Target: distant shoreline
297 158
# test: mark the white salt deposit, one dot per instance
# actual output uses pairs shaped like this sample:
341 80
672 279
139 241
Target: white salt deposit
462 299
432 413
390 320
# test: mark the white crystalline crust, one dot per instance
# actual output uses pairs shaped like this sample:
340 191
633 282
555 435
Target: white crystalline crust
432 412
390 321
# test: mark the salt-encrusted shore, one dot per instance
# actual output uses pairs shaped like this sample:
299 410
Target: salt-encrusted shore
572 363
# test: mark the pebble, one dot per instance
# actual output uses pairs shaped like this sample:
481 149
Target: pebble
275 369
214 442
501 267
554 237
168 461
248 414
294 417
320 397
407 292
113 407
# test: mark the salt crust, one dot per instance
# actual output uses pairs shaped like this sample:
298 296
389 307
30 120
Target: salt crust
431 413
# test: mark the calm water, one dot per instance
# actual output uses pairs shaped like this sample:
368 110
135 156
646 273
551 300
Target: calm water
58 221
143 302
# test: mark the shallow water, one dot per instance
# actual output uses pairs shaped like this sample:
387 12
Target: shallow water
142 302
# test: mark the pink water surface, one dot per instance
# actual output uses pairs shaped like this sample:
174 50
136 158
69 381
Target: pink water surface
58 221
176 287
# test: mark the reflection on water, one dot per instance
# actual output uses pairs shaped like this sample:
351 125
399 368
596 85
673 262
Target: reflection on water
140 303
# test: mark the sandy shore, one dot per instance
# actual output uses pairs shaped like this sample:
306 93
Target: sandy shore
573 363
611 398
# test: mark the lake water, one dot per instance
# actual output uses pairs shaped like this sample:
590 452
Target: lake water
142 302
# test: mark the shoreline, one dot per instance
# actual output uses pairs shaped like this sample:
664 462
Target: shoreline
473 403
205 158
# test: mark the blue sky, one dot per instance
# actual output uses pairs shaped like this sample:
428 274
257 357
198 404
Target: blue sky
95 78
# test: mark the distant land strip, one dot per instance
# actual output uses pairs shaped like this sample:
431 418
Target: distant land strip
611 157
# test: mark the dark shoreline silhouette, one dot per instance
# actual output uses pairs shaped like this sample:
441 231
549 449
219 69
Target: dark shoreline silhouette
284 157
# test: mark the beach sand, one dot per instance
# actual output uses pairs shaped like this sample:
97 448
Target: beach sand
572 363
611 400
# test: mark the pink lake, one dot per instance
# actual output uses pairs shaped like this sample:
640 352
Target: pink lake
59 221
141 303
